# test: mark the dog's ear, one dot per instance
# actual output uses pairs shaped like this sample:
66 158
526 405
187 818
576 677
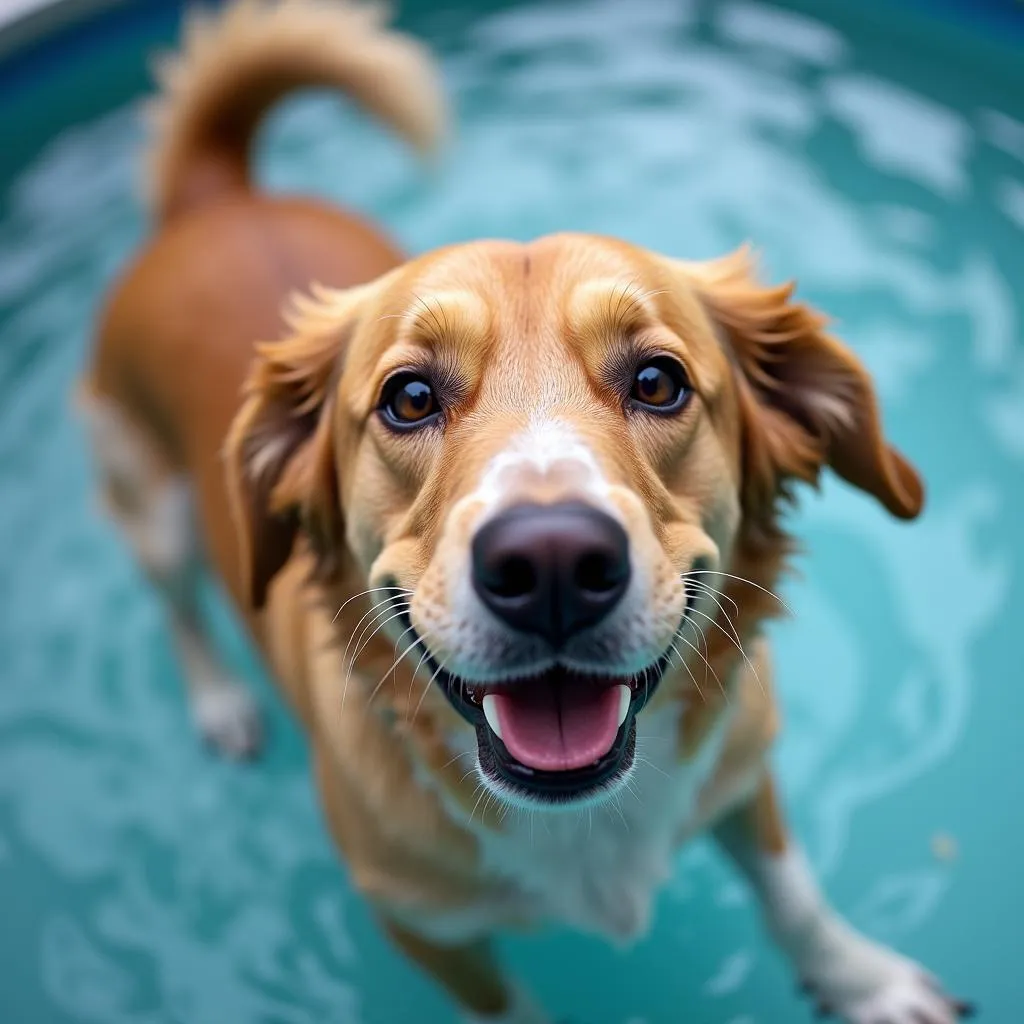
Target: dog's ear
280 450
806 401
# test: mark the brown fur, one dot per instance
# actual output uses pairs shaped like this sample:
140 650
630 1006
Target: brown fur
306 501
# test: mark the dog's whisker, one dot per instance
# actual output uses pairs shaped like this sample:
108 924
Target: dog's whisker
491 798
383 678
693 647
641 759
374 609
739 579
418 640
702 590
419 665
397 610
630 786
734 640
363 593
703 640
615 804
351 672
713 593
398 642
715 597
381 608
686 668
483 792
732 632
426 690
451 760
401 636
675 654
350 665
369 613
380 625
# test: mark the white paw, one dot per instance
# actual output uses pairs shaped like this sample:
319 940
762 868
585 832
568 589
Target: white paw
874 985
228 719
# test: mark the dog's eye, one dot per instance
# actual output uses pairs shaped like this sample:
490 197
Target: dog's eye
661 384
408 401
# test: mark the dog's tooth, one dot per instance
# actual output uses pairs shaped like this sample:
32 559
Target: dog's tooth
491 714
625 696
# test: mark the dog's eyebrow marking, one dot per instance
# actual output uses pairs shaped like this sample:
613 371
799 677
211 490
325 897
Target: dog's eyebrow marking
611 306
440 317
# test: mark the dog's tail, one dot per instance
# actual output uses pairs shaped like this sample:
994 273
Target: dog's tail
234 67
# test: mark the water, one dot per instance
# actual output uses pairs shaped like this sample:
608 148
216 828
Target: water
142 882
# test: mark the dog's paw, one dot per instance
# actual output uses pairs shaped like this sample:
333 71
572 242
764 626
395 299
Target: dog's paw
228 720
902 993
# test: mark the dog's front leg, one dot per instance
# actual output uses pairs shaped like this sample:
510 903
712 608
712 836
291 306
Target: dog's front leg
472 977
858 980
465 967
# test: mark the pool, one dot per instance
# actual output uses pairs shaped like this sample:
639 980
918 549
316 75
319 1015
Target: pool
879 159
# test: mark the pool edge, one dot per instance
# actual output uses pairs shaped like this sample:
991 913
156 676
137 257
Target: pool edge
31 23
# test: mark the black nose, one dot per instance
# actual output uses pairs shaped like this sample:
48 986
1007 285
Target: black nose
551 570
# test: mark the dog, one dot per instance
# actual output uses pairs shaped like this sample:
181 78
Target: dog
505 521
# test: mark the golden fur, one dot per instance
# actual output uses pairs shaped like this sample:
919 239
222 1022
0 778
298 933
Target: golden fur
307 504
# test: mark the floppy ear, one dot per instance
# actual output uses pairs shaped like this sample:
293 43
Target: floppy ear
280 450
805 398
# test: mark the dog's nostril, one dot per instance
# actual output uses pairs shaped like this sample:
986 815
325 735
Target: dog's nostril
597 573
515 577
551 570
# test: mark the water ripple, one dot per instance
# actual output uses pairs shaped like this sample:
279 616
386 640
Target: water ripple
154 885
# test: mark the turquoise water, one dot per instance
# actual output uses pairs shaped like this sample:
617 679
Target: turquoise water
143 882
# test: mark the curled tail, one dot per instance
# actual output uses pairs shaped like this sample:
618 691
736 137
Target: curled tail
235 66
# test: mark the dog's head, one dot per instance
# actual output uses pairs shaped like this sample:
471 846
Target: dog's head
549 451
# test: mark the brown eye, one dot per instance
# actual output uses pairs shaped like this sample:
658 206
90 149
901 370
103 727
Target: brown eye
408 401
661 386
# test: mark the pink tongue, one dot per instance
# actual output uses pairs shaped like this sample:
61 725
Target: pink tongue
557 729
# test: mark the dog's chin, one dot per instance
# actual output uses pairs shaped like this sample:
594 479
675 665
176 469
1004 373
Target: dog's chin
561 737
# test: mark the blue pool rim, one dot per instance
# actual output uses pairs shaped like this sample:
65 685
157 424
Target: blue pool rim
1001 22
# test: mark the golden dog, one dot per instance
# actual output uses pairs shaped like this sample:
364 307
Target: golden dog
504 521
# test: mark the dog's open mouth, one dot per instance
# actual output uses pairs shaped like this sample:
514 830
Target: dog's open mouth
557 737
562 735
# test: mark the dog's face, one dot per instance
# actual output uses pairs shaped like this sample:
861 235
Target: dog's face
547 451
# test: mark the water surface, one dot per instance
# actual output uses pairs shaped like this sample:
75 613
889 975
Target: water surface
142 882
